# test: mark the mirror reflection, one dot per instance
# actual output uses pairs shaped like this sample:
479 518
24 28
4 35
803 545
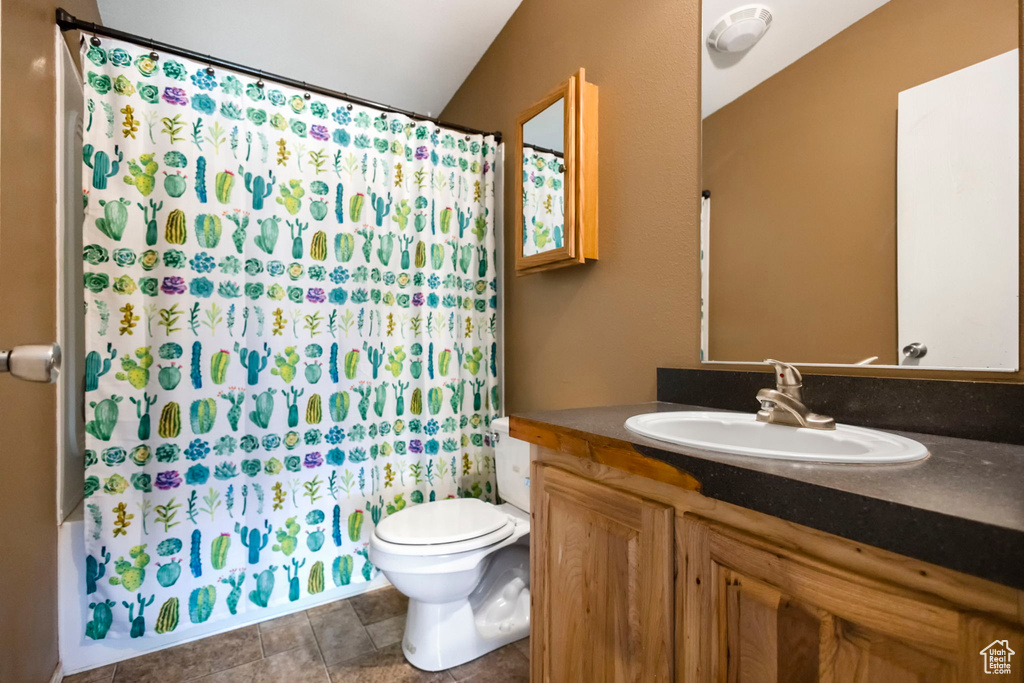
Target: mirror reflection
544 180
860 176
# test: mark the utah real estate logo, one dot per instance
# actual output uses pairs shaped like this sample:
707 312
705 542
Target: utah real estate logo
997 657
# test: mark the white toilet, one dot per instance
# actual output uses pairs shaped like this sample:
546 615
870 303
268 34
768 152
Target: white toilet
464 564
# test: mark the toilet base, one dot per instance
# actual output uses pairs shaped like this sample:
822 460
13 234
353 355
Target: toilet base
440 636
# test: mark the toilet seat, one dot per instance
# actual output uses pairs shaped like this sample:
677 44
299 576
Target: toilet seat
443 527
441 521
450 548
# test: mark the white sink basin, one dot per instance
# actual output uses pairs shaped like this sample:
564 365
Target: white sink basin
742 434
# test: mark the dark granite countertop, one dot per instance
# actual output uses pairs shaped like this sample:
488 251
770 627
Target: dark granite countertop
962 508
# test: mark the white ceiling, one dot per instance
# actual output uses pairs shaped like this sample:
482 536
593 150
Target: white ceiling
798 26
409 54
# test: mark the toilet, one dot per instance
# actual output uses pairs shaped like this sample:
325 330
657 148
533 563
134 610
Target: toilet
464 565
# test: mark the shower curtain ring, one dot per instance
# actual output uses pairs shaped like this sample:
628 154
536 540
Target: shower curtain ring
209 67
95 41
348 106
306 94
259 81
152 52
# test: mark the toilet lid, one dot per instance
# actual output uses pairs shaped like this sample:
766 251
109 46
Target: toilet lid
442 521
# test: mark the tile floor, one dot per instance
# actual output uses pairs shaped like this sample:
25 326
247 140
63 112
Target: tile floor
357 640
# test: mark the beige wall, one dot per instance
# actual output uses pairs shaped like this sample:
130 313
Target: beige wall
594 334
28 534
802 176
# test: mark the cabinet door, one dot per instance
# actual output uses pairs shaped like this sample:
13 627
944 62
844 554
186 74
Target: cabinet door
759 614
601 580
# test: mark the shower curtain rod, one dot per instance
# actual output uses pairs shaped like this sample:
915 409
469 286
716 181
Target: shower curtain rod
68 22
538 148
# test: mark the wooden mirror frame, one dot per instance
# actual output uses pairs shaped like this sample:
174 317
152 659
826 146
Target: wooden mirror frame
580 181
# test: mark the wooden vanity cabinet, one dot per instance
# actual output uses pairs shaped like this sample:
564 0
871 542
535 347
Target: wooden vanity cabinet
635 579
601 575
753 612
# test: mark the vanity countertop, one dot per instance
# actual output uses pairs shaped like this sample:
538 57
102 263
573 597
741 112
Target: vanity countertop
962 508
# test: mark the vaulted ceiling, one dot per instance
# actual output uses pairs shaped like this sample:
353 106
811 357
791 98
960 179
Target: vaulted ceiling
798 26
406 53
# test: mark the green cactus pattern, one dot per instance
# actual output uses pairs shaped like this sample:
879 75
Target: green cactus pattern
543 203
235 580
97 365
175 231
201 603
302 300
135 371
291 196
203 415
208 230
167 620
142 174
114 219
316 578
219 362
103 167
355 526
219 551
342 570
264 587
170 421
286 362
225 182
288 537
132 572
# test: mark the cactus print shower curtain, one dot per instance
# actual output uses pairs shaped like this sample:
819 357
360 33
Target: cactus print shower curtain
543 201
290 309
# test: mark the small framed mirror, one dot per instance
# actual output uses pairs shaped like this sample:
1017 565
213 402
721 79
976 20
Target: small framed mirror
556 178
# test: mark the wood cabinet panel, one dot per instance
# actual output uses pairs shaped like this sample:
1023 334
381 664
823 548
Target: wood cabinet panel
601 579
757 614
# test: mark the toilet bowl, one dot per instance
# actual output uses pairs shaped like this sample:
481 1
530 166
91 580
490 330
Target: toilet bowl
464 564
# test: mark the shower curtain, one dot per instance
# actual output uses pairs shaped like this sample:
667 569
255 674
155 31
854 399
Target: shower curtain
543 201
291 319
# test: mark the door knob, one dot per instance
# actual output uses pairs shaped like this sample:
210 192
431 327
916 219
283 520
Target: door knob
915 350
32 363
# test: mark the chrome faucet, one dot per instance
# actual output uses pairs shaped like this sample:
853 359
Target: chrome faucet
784 405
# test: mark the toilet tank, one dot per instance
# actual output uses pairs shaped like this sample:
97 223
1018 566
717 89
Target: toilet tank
512 465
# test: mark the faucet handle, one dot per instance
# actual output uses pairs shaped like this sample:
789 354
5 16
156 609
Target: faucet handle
786 375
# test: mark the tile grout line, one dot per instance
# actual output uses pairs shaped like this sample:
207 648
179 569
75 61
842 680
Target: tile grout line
316 643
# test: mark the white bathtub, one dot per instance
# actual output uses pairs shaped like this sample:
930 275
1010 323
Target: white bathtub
78 653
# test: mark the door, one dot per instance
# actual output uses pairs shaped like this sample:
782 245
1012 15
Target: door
602 580
757 614
957 218
70 316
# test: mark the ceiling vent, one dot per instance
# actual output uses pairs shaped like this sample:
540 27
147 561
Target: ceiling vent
740 29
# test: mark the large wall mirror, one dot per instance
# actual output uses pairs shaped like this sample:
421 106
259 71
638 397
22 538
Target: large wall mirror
861 183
